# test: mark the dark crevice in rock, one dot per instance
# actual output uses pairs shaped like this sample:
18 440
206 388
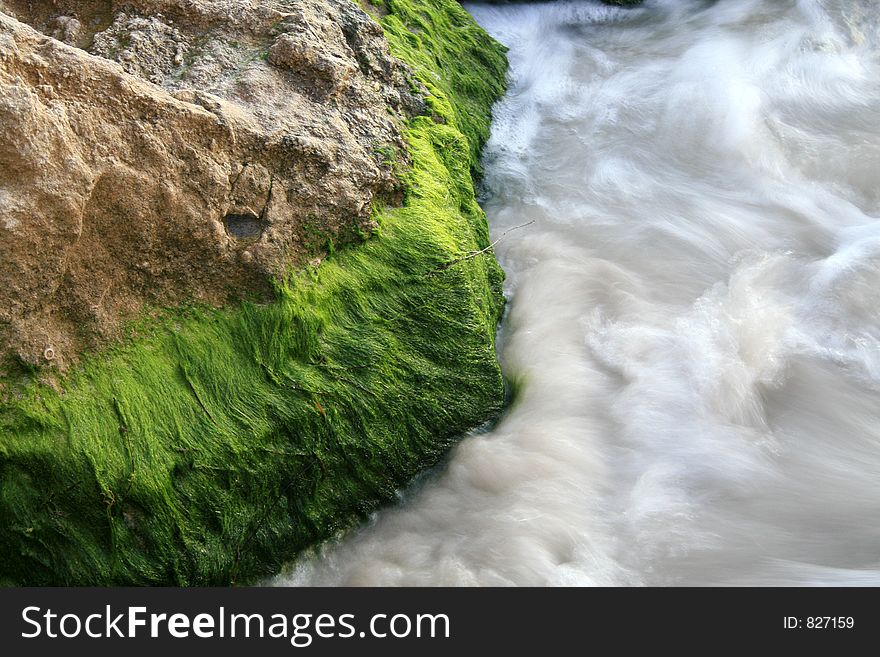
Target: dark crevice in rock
243 226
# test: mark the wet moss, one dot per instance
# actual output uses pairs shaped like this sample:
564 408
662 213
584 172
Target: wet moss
217 444
462 67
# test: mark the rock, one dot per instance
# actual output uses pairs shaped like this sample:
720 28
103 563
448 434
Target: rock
211 447
182 153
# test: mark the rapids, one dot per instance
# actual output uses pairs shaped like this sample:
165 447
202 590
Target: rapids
693 326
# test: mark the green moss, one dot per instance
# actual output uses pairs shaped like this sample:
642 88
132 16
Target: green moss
462 67
215 445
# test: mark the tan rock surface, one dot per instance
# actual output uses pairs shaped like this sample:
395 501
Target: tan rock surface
228 140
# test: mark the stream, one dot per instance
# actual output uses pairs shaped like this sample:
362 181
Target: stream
693 325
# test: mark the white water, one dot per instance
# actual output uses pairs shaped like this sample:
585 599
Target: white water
694 316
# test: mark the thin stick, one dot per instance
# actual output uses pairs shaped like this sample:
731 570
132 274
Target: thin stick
474 254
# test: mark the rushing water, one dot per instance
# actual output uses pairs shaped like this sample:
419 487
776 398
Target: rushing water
694 316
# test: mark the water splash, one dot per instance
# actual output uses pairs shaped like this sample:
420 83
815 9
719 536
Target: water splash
695 313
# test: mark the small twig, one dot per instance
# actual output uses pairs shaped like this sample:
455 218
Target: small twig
195 393
474 254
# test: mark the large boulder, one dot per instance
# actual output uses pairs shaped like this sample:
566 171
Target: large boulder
165 152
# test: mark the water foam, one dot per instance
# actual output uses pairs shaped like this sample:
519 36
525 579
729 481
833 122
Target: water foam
694 317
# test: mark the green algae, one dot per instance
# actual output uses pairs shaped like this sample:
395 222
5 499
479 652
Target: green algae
462 67
219 443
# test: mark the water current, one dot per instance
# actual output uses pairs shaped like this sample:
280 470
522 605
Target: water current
694 310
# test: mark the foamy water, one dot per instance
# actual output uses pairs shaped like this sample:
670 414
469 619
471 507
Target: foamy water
694 317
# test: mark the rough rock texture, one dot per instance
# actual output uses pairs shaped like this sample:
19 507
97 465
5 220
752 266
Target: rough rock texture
228 140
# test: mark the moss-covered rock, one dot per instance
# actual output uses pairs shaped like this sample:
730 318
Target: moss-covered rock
214 445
